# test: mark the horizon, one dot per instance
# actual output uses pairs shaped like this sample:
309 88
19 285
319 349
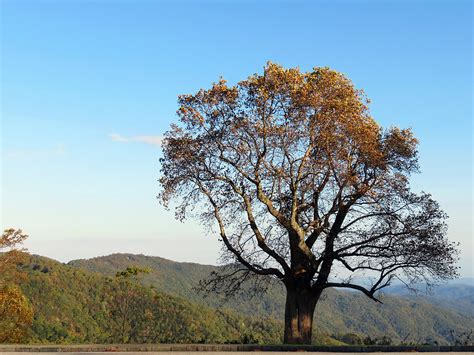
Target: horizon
468 281
88 90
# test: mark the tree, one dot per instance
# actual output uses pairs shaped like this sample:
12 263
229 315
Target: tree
303 184
126 306
16 314
11 255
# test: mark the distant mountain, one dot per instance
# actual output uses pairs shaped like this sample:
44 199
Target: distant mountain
401 317
462 281
457 295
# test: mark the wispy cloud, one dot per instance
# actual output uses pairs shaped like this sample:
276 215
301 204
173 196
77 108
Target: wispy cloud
152 140
57 151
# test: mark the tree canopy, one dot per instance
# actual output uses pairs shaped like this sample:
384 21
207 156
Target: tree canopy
301 181
11 254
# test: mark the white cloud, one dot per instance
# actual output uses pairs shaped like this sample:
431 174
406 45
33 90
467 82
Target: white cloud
117 137
152 140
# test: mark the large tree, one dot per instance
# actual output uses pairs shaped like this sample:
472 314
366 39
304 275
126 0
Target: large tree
302 184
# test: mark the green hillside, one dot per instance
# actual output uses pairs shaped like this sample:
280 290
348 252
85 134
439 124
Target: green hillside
74 306
400 318
180 279
78 303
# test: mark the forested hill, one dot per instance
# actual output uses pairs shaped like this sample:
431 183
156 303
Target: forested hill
399 317
72 305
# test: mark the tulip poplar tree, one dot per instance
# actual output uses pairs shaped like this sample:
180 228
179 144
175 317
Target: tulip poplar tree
302 183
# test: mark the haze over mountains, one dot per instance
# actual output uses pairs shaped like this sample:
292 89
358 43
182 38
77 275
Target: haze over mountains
457 295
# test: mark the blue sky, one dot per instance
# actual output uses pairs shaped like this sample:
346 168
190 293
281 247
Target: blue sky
87 88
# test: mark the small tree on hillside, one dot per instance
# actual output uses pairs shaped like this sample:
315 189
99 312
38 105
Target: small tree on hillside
11 254
125 305
302 182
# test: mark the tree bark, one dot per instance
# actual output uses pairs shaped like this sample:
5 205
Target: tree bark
299 311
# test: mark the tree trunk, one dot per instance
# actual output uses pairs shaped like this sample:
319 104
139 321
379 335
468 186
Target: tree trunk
299 311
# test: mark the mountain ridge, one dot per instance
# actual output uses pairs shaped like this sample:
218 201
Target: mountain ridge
401 317
73 306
